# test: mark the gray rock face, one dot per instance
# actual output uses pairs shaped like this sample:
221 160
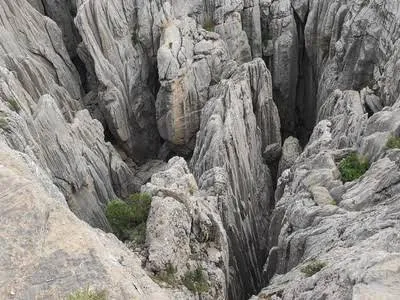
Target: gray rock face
41 118
228 160
190 78
184 228
349 230
48 253
290 151
61 12
353 233
284 61
189 62
120 67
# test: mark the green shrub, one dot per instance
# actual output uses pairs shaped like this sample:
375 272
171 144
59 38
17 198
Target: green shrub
13 104
393 142
128 218
312 268
140 204
138 234
195 281
209 24
168 275
88 294
3 123
353 167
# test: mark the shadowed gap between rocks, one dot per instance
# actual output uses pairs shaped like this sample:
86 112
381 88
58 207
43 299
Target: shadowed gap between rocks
304 118
306 90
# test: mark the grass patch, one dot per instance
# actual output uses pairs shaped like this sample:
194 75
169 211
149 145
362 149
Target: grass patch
393 142
195 281
128 218
353 167
3 123
168 275
313 268
209 24
88 294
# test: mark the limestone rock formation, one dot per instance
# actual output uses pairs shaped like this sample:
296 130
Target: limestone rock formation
229 150
291 149
47 252
329 238
189 62
97 97
41 117
184 229
119 70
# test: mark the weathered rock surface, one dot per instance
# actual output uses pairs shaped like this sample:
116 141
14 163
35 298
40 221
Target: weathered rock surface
291 149
160 78
228 160
350 229
184 229
120 71
190 60
40 116
47 252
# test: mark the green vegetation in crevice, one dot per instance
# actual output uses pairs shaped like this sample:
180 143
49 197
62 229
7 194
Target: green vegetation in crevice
13 104
195 281
168 276
128 218
3 123
312 268
353 166
393 142
209 24
88 294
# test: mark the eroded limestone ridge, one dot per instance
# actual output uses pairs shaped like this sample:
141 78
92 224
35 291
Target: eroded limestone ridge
333 237
97 97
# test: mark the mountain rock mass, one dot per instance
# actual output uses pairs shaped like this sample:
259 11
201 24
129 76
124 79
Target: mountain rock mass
266 134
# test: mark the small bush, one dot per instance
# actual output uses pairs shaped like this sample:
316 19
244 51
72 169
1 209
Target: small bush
168 276
393 142
312 268
88 294
128 218
3 123
195 281
13 104
138 234
140 204
209 24
353 167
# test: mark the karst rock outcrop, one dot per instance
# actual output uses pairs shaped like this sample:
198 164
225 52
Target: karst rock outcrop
234 117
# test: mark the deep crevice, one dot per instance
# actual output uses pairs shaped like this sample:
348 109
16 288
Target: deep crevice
80 66
306 89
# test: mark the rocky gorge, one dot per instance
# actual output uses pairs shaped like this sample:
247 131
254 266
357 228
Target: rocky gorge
234 116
